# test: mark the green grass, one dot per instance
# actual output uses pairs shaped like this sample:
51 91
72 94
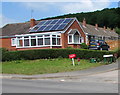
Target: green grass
42 66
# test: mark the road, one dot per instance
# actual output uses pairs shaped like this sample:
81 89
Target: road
106 82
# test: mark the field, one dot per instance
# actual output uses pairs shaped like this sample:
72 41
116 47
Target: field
42 66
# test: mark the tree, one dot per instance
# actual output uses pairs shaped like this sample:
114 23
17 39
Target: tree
117 30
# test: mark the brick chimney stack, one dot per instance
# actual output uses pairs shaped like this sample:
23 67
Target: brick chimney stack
84 22
105 28
32 22
96 26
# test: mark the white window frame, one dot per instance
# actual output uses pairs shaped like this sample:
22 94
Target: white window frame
13 41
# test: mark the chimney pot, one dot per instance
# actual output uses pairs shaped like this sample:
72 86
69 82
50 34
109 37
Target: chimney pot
84 22
96 26
105 28
32 22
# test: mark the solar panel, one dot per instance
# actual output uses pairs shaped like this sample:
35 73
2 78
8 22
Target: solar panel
51 25
67 20
60 21
41 22
48 28
54 21
61 27
55 27
41 28
47 22
35 28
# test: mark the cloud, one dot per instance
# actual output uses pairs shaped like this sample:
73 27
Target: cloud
83 6
4 20
69 7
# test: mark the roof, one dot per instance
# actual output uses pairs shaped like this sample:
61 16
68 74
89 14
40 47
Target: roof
17 28
24 28
52 25
91 30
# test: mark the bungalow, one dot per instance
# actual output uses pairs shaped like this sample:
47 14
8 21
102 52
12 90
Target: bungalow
53 33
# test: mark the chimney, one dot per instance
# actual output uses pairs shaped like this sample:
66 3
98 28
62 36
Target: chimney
105 28
113 30
84 22
96 26
32 22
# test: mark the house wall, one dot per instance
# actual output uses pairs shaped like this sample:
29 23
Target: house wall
6 43
36 48
64 36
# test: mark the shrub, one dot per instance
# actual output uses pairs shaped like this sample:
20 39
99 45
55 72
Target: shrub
84 46
52 53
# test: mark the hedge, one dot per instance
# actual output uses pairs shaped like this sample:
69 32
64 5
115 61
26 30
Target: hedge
52 53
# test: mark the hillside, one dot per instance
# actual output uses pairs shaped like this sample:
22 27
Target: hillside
106 17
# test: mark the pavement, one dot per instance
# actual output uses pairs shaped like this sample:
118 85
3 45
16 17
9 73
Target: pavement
73 74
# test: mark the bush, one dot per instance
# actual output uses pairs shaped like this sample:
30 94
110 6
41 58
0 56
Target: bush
84 46
52 53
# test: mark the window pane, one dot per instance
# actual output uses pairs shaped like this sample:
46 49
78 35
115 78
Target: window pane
47 35
26 42
76 38
13 42
32 36
53 35
40 41
70 38
40 36
47 41
58 41
20 43
33 42
58 35
26 37
80 40
53 41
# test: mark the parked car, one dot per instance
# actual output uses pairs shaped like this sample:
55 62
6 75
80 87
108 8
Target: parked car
98 45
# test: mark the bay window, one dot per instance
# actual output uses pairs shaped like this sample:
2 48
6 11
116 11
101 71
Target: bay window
38 40
74 37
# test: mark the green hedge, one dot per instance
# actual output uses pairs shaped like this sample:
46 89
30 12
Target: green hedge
52 53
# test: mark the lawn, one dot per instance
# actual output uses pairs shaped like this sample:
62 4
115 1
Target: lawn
42 66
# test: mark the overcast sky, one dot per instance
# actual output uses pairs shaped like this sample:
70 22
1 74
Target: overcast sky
16 12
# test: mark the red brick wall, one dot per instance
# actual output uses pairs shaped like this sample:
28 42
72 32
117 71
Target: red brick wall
64 36
74 46
6 43
36 48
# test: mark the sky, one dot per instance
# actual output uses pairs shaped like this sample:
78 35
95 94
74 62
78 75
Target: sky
18 12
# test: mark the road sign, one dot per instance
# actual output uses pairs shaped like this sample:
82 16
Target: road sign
72 56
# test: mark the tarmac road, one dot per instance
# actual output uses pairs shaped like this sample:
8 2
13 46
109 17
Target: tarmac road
61 86
98 83
103 79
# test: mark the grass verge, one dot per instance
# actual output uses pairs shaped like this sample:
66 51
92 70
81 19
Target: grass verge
43 66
